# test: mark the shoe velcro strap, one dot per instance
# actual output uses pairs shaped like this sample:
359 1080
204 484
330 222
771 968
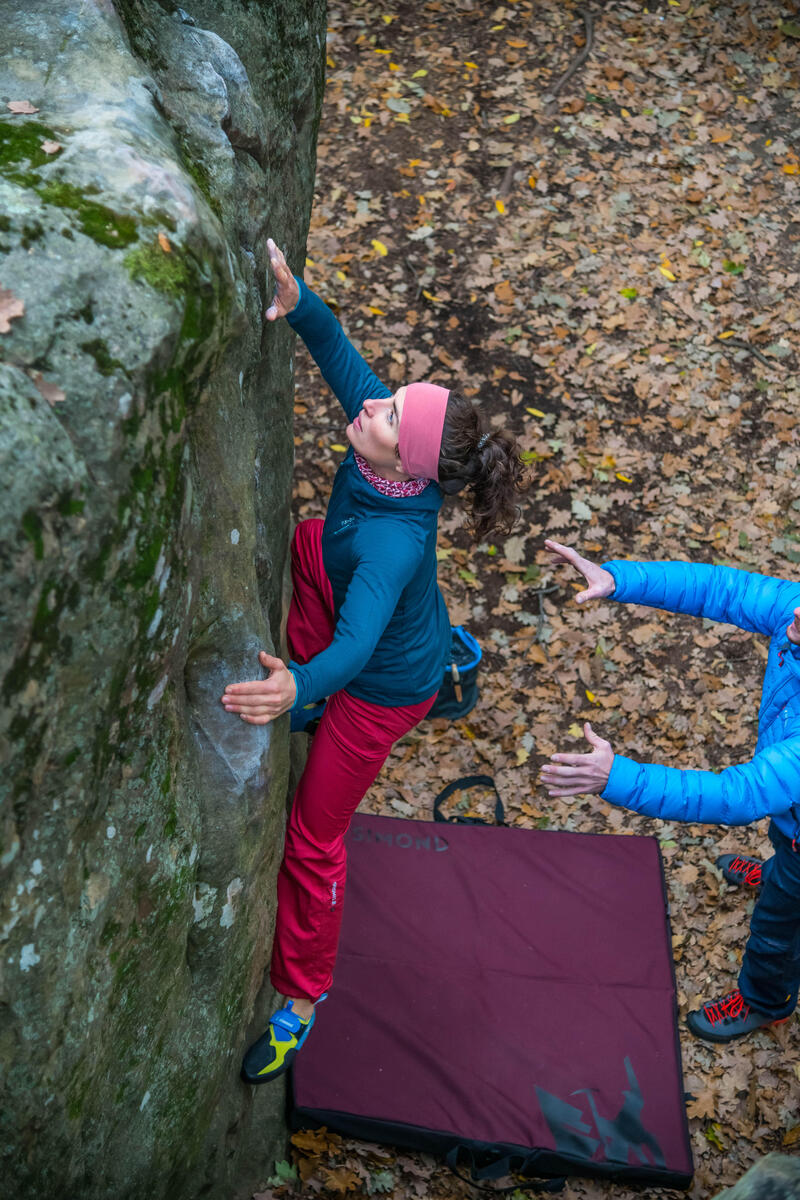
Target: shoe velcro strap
287 1020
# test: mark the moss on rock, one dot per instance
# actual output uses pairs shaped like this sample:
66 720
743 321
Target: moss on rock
99 222
21 142
166 271
104 361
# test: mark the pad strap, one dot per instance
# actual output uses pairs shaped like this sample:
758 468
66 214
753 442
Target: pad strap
462 784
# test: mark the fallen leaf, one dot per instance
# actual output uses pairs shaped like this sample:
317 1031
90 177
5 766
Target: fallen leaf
713 1134
341 1180
50 147
643 633
379 248
338 447
10 309
703 1105
315 1141
21 106
51 391
163 242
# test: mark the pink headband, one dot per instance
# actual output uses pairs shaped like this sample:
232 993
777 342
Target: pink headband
419 437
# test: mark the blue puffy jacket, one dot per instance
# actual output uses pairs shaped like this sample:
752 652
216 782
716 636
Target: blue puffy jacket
768 785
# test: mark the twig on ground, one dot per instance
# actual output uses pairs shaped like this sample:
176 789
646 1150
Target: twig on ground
580 58
577 62
742 345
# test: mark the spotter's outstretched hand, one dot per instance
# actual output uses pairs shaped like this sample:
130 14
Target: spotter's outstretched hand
579 774
601 582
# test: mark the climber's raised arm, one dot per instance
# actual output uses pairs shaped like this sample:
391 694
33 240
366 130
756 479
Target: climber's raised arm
349 377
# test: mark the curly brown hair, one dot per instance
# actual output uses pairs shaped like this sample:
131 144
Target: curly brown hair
484 461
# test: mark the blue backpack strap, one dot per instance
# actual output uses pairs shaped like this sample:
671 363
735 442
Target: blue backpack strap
462 784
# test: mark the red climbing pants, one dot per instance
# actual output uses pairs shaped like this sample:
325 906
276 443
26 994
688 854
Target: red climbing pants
347 752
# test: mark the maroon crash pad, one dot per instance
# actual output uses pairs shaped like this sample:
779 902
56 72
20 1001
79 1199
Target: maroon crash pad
507 991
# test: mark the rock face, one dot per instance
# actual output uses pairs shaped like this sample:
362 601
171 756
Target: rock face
146 455
774 1177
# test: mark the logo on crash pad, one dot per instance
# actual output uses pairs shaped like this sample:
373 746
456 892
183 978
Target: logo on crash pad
588 1135
403 841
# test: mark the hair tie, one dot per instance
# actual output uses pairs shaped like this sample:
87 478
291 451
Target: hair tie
483 440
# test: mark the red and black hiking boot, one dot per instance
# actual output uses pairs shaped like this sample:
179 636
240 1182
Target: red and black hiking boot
740 870
728 1018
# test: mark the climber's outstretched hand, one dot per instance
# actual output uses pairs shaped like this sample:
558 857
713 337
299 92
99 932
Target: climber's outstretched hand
259 701
287 293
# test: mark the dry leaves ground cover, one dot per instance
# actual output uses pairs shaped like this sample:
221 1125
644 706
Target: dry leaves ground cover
614 271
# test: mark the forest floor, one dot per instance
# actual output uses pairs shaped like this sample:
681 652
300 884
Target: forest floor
614 272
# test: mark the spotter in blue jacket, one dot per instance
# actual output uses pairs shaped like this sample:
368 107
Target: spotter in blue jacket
768 785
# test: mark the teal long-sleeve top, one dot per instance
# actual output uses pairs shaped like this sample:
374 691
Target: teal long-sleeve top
392 632
767 785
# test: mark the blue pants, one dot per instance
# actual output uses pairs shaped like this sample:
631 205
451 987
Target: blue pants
770 973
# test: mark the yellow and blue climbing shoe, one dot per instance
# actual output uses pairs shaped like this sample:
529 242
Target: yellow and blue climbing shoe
275 1050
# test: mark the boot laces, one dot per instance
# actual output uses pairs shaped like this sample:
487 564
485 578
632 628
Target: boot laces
749 870
727 1008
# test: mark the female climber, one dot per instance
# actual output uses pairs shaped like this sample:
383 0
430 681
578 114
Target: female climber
367 629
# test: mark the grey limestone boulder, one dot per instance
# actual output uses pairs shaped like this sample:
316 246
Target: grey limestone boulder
774 1177
146 455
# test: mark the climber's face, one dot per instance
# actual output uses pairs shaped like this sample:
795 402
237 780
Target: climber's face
373 434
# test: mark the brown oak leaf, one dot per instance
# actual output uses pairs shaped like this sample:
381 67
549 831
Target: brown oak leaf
51 391
340 1180
703 1105
10 307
